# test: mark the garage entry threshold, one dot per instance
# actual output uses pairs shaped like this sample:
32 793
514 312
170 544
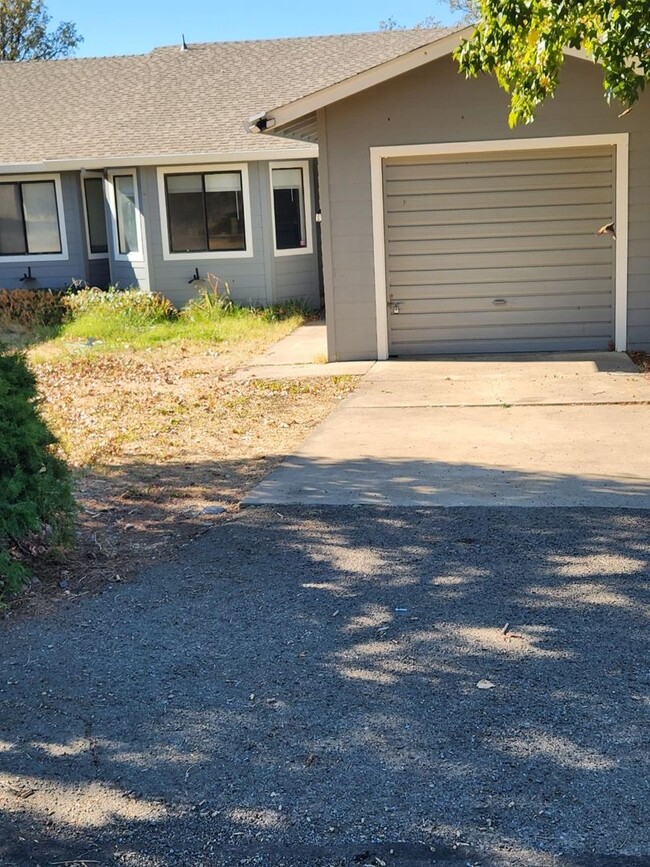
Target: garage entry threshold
531 431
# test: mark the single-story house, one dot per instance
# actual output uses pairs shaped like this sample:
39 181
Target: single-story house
444 231
141 170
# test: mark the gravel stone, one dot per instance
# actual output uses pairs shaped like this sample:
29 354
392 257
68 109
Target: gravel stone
300 689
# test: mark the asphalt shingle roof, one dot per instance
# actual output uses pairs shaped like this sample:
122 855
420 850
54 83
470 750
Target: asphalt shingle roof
176 102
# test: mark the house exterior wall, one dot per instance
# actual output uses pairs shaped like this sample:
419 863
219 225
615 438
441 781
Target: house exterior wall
260 279
435 103
59 273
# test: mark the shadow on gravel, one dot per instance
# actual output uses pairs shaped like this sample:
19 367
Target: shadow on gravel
320 687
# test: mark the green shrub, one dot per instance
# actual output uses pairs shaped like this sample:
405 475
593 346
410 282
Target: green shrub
29 309
35 485
133 306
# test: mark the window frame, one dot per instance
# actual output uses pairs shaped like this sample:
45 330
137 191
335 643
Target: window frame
138 256
168 254
63 255
98 176
308 249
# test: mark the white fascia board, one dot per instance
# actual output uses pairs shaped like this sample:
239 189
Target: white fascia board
115 162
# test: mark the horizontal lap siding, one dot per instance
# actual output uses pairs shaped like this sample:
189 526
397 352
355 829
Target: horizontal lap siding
554 275
437 104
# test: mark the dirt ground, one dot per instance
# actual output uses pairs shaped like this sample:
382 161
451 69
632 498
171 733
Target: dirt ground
156 438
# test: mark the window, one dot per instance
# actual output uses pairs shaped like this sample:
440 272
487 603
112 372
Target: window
289 208
126 211
95 215
29 218
205 212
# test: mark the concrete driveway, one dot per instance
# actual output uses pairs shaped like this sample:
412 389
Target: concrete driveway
546 430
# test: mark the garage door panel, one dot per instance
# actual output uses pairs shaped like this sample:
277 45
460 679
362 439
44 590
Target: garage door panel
482 346
499 244
486 216
505 332
482 168
495 199
494 230
519 229
472 303
522 184
464 276
504 259
506 319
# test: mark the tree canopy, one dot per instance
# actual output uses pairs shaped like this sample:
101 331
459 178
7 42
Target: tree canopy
25 32
522 42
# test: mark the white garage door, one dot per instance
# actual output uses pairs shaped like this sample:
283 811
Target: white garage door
498 252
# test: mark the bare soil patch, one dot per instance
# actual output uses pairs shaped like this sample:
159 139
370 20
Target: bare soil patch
156 437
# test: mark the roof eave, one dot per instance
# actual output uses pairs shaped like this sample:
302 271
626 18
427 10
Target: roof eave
114 162
271 120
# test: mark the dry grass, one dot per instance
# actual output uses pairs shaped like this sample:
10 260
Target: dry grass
158 435
642 360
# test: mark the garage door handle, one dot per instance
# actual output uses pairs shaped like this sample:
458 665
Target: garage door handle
499 301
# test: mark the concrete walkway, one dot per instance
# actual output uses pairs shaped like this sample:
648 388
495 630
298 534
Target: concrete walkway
302 354
546 430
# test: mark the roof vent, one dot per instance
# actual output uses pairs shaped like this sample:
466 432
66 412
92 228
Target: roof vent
183 43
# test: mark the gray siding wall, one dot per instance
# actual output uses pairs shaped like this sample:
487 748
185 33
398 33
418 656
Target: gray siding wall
261 279
436 104
58 274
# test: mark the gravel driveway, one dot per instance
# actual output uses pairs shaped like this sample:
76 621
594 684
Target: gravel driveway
342 686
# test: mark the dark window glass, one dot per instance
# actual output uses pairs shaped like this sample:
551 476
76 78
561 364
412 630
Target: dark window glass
289 209
98 237
29 219
186 213
12 226
205 212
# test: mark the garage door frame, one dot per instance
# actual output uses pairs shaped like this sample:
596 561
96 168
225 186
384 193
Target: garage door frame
620 143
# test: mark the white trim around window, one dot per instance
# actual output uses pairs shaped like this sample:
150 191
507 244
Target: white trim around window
306 187
36 258
109 183
99 176
618 141
168 255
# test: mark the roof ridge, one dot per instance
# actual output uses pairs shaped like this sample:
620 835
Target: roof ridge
159 49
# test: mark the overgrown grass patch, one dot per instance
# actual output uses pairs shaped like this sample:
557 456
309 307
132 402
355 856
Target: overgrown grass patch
106 321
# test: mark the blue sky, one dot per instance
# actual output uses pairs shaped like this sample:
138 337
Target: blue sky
135 26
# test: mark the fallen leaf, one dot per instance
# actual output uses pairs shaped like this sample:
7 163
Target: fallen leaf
485 684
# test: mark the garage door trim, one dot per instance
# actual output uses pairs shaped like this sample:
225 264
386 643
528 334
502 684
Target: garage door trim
620 143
